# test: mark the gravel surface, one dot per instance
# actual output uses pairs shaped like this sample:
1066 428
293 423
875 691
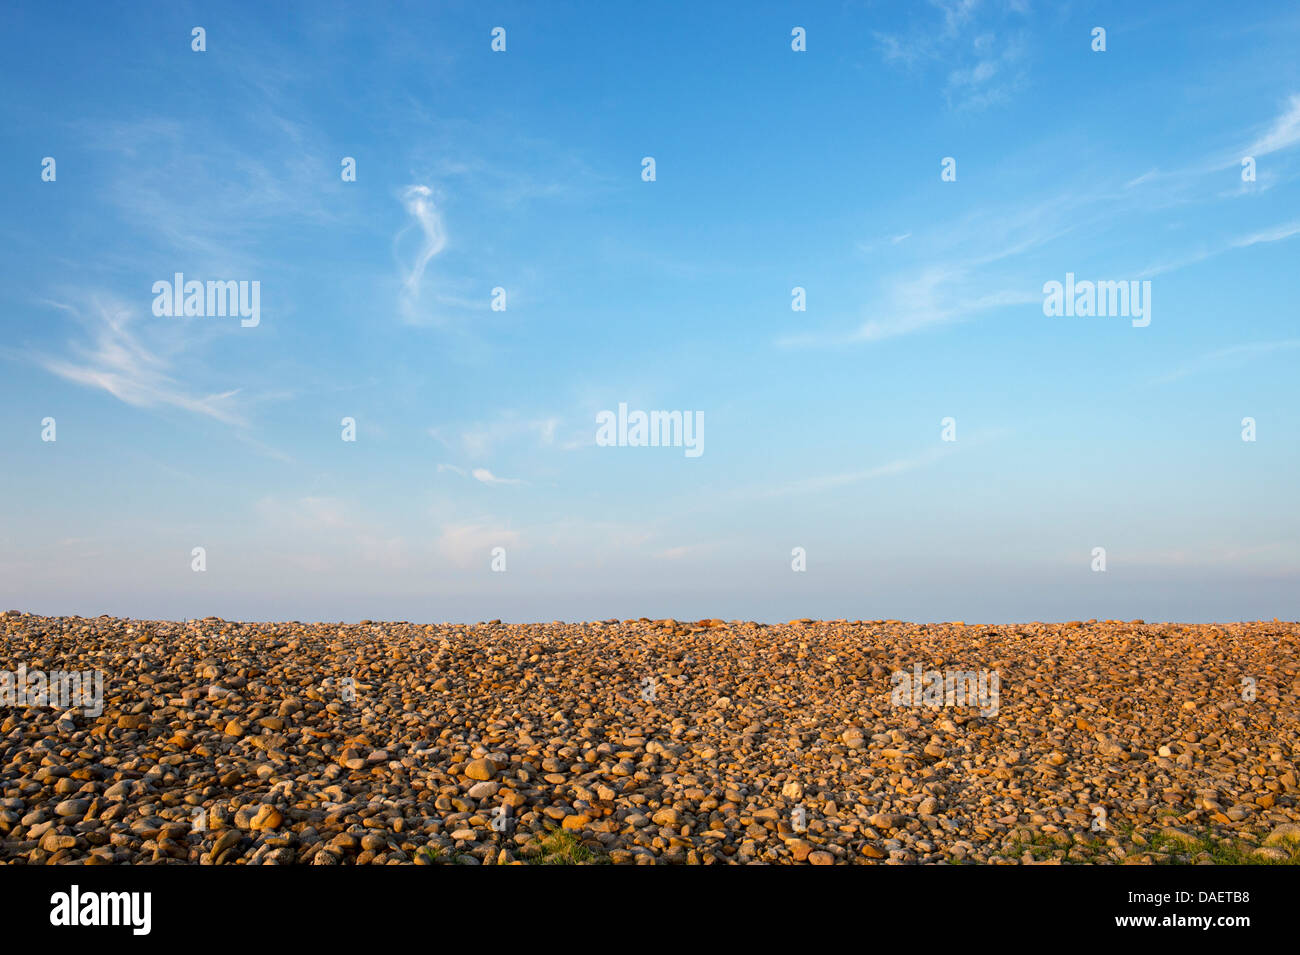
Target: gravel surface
651 742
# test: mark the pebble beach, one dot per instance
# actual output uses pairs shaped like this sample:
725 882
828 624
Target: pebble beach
651 742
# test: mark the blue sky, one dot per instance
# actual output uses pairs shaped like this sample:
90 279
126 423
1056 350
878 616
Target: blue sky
774 169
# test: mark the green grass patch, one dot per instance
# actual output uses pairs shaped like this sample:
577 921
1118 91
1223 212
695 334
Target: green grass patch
561 847
1204 844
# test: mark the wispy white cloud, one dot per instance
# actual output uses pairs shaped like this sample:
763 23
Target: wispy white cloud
903 465
215 201
1273 234
1283 134
959 282
918 306
420 206
827 482
984 55
937 295
994 74
966 267
554 177
470 543
1226 357
111 357
956 14
480 439
319 523
675 553
484 476
307 513
1147 176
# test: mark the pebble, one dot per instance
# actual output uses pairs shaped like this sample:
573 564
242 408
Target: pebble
72 807
267 817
